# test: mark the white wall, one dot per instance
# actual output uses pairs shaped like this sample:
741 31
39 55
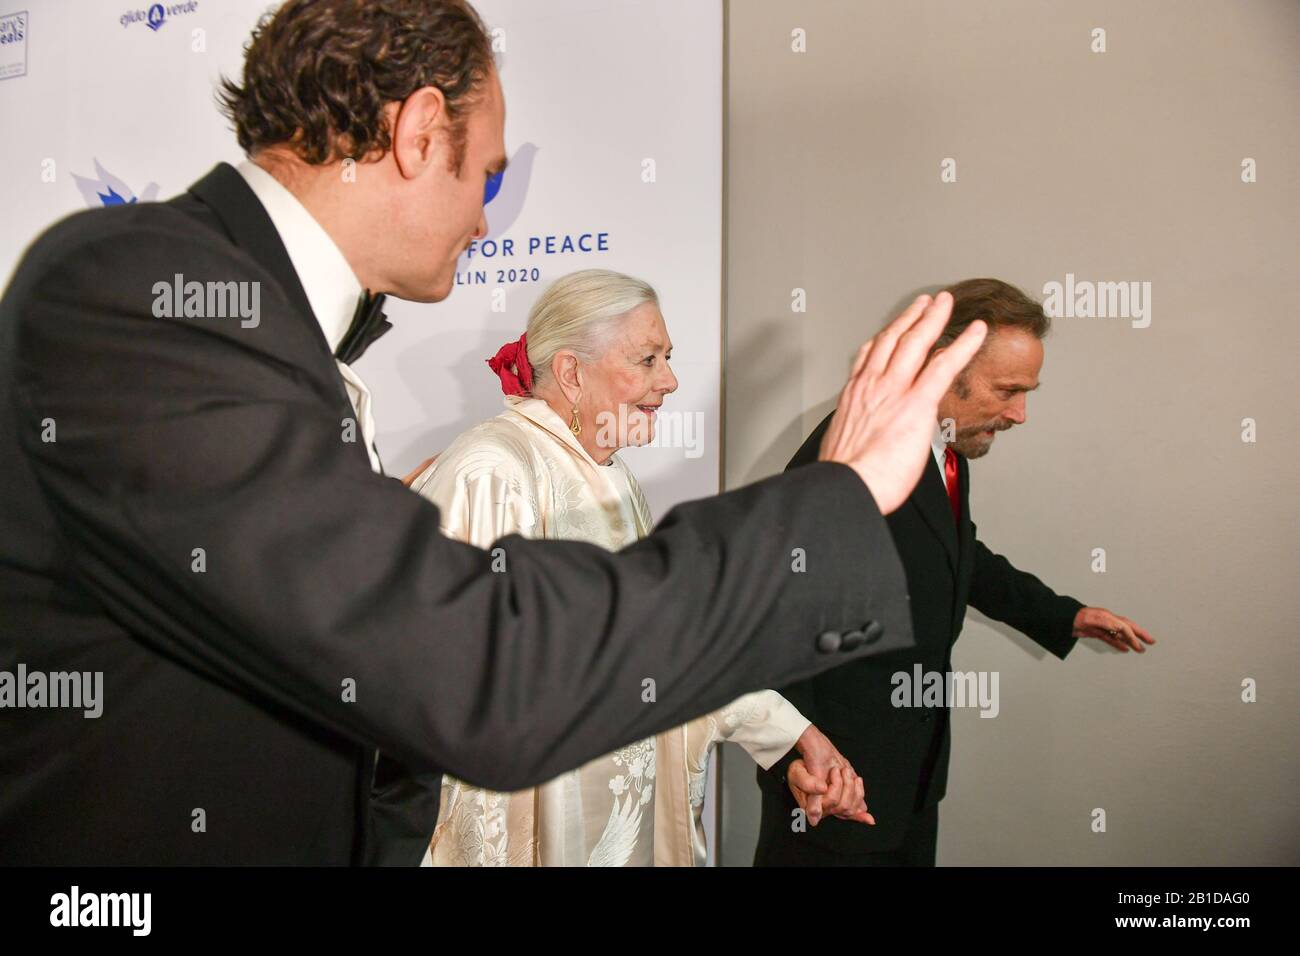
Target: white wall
1123 165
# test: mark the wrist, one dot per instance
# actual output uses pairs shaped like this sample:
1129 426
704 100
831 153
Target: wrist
802 742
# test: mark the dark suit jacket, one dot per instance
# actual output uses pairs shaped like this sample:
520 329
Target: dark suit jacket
902 753
266 611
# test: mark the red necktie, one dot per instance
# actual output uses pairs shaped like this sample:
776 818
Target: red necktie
950 479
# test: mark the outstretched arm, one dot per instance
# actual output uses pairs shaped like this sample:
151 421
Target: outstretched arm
1005 593
180 437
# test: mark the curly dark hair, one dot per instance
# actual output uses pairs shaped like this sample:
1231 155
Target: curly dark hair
318 73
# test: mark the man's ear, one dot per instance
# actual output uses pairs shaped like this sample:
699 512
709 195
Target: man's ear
420 127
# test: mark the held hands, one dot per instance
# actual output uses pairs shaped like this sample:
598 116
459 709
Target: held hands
886 414
824 783
1119 632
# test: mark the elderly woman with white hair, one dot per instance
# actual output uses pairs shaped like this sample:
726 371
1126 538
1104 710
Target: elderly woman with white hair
586 379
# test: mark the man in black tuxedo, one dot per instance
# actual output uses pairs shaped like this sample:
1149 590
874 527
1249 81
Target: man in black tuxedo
192 511
902 751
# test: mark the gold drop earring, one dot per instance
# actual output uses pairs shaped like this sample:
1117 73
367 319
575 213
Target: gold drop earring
575 426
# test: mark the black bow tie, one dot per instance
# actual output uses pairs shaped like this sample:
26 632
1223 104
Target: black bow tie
368 324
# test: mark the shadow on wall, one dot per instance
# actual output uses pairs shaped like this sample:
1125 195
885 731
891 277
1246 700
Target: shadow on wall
478 393
756 352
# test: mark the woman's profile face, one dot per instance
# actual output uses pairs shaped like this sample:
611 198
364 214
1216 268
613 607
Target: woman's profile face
623 389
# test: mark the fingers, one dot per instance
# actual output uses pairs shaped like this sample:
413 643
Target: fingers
844 406
914 346
1127 635
807 791
814 810
815 750
856 800
860 360
834 791
1108 635
860 813
946 365
799 776
810 804
845 796
802 799
847 801
1139 631
851 785
884 342
1119 632
857 810
851 393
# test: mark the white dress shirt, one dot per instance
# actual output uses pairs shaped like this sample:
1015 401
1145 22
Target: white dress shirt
332 287
937 445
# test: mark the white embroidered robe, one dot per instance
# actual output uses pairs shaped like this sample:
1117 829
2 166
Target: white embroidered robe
524 472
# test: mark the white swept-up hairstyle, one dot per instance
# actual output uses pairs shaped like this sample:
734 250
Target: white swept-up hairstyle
580 312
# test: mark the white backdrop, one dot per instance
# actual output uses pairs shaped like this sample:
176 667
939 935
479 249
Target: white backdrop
613 126
101 107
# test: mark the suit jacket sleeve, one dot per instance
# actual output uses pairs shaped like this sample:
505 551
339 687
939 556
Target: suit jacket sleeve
803 694
1015 597
202 479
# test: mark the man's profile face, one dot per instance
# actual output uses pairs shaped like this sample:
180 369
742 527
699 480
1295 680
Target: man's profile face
447 214
989 396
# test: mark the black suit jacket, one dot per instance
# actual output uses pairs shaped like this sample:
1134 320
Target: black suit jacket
902 753
266 612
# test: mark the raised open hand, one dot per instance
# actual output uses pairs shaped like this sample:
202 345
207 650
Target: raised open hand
886 414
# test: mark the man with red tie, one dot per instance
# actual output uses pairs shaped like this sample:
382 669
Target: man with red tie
901 749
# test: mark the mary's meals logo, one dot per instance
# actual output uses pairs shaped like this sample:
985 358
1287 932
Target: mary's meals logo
13 44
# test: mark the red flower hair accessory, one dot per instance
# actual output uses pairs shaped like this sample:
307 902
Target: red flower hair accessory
511 365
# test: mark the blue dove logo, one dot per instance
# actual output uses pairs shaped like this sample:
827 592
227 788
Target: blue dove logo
503 196
107 190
